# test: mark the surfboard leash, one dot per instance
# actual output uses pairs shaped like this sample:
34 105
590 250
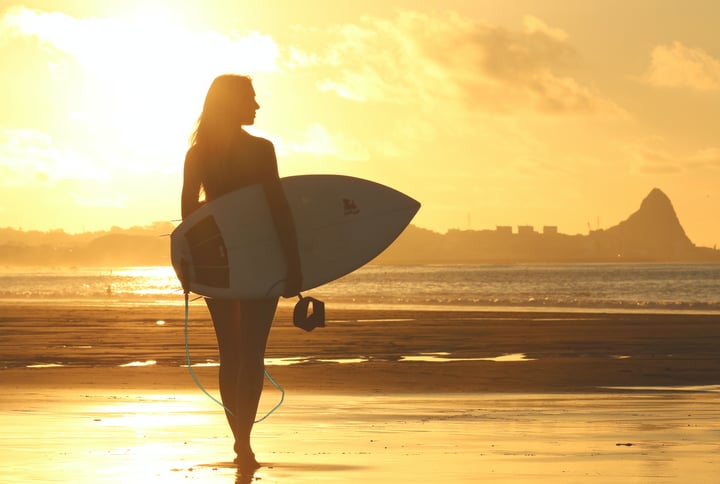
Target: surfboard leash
282 396
200 385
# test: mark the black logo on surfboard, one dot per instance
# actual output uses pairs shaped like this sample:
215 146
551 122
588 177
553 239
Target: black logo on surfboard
350 207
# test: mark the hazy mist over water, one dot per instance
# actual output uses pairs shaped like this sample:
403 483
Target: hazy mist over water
613 287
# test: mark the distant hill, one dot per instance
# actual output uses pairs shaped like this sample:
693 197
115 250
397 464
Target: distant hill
652 233
148 245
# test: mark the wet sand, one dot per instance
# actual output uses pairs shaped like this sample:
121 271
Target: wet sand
584 398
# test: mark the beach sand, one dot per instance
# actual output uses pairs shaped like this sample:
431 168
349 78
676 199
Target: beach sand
437 396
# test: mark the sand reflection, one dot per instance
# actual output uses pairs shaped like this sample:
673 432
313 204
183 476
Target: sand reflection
138 364
446 357
111 437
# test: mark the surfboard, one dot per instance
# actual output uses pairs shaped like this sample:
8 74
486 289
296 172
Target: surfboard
230 248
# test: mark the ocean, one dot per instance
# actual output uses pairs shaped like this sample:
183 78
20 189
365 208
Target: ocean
651 287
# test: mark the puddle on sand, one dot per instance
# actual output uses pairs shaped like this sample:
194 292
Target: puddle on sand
440 357
445 357
138 364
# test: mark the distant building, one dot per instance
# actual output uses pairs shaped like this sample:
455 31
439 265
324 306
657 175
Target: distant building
550 230
503 229
525 229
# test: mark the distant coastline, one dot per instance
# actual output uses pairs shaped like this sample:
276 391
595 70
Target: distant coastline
501 246
651 234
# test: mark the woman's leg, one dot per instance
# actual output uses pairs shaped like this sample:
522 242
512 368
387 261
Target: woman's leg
242 329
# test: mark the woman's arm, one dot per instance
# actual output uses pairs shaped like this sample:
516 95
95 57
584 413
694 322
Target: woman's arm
189 201
285 226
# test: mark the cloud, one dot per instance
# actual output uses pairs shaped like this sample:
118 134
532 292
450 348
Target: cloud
109 45
415 58
655 155
29 157
319 141
676 65
707 158
535 25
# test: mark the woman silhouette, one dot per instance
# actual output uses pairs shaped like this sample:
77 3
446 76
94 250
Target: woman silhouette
224 157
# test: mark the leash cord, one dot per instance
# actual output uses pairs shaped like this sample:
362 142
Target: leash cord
201 387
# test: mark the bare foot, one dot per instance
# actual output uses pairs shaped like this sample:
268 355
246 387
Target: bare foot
246 462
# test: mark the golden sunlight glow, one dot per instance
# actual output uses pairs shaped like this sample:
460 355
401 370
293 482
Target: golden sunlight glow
471 109
145 75
157 410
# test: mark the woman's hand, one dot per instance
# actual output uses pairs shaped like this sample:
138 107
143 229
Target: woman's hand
293 281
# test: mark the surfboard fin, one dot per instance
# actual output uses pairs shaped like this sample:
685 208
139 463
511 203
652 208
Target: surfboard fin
309 321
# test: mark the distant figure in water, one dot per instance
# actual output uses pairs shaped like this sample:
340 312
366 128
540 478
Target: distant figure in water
224 157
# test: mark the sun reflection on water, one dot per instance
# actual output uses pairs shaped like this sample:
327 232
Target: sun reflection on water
151 412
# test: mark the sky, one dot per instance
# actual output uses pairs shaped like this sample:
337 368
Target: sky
506 112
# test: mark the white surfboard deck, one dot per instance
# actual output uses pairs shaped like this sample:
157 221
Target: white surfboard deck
233 251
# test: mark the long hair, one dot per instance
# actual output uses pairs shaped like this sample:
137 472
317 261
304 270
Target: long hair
218 123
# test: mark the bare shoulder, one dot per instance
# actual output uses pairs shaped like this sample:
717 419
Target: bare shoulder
192 159
193 153
258 143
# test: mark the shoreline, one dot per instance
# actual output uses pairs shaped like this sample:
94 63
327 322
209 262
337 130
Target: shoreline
465 351
133 302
